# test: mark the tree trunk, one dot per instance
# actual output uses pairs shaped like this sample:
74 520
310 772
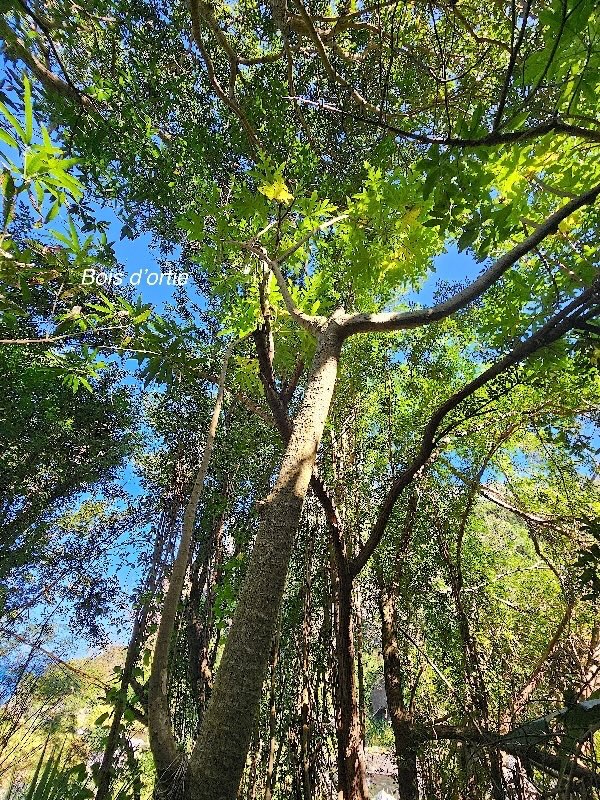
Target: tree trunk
171 763
360 672
219 756
200 622
352 779
271 763
305 705
164 530
404 740
518 785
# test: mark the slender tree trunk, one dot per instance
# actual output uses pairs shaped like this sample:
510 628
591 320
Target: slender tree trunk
105 772
305 727
134 768
352 779
475 678
200 623
401 717
219 756
114 739
305 704
360 672
591 679
391 588
171 763
514 775
252 775
473 665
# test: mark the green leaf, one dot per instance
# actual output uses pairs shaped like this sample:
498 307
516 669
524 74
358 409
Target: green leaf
32 162
75 246
9 191
14 122
28 110
48 141
54 209
24 289
61 238
142 317
8 139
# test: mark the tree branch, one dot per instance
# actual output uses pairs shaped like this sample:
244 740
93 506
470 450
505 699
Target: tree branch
16 47
309 322
304 239
229 101
394 321
581 308
57 659
511 66
278 404
519 701
493 138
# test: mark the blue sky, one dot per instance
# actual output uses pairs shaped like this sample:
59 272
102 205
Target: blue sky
139 254
451 267
136 254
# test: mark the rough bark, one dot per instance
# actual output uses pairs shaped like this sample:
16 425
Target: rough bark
352 781
219 756
271 760
401 718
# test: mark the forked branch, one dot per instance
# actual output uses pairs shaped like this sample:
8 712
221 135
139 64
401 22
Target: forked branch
312 323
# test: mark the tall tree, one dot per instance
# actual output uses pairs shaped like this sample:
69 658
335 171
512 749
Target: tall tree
477 133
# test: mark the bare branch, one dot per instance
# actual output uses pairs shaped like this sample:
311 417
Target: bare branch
16 48
226 97
57 660
61 337
511 66
333 74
